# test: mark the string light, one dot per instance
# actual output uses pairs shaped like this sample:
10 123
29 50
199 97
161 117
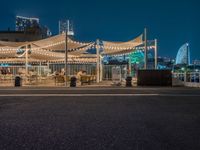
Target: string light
46 49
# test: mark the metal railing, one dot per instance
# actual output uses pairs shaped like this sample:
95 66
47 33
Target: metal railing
193 77
107 71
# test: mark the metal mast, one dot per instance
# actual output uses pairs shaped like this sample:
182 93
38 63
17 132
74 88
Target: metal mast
145 49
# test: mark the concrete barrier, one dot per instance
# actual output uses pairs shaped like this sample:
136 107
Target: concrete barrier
177 82
192 84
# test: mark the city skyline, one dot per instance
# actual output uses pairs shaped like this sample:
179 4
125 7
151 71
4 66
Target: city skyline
173 26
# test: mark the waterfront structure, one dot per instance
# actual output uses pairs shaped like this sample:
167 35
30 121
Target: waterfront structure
183 55
62 50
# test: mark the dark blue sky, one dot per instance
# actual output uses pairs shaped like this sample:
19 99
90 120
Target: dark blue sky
172 22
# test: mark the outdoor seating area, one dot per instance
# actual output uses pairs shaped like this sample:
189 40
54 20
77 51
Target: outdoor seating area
49 62
60 79
47 81
8 78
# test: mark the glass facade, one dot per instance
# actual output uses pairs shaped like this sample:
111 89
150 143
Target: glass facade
22 23
183 56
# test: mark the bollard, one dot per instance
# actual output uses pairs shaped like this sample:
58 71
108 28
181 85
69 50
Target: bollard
18 81
73 82
129 82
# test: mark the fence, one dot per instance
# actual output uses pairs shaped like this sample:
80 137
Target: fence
107 71
73 69
188 77
42 74
191 79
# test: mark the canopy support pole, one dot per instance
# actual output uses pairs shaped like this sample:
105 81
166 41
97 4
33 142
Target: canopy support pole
101 68
156 53
66 57
145 49
129 66
26 65
40 73
98 61
48 65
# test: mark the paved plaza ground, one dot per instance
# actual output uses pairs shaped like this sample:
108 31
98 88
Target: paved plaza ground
139 118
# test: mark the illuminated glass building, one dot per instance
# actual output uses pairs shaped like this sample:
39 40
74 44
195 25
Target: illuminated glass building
31 25
23 23
183 56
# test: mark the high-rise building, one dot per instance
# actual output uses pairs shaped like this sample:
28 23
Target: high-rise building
183 55
24 23
32 25
66 26
27 29
196 62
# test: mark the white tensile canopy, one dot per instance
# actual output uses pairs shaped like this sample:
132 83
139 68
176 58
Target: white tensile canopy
111 48
51 49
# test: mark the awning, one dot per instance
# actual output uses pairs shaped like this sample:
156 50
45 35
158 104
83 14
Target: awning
49 49
111 48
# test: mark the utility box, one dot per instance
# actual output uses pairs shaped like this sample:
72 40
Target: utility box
154 78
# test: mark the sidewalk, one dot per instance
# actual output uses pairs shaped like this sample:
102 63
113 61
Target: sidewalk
103 84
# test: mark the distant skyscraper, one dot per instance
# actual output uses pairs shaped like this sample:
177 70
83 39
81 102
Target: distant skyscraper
196 62
23 23
65 26
183 56
32 25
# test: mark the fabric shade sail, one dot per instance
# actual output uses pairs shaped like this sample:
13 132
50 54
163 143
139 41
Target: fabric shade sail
49 49
71 59
111 48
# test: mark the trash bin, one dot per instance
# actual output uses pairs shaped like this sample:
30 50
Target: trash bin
73 82
18 81
129 82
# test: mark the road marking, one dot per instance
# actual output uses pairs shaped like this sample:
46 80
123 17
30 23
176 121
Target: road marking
92 88
74 95
66 89
97 95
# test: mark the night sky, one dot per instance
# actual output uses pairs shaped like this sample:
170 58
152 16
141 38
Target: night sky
172 22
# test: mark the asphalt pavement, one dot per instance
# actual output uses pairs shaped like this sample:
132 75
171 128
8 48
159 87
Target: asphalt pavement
144 118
